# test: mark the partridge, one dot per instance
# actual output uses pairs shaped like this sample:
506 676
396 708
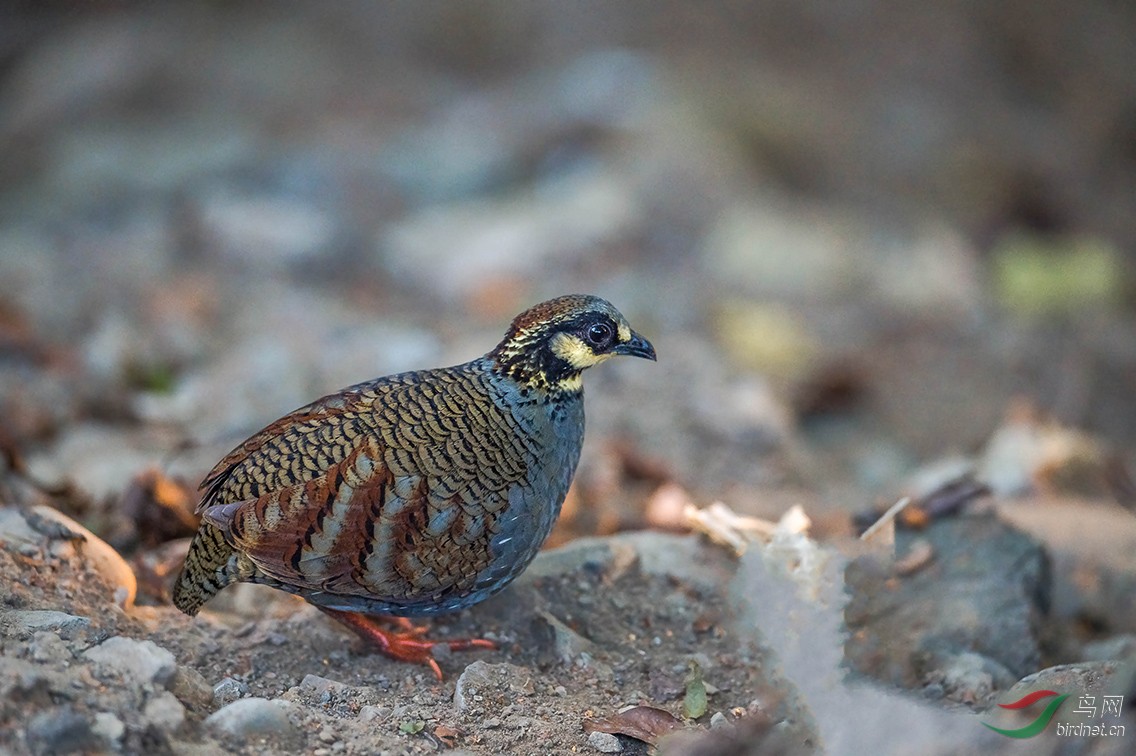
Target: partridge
414 494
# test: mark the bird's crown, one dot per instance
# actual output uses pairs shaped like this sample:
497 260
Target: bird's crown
550 344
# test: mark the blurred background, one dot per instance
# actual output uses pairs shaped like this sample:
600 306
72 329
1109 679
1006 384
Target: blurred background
857 232
882 248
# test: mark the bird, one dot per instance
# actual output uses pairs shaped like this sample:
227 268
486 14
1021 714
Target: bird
414 494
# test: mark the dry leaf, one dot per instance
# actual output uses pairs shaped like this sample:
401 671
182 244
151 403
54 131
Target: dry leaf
644 723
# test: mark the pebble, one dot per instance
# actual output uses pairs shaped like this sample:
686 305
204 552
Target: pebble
604 742
49 647
28 621
109 727
481 677
192 689
144 661
321 688
370 713
250 716
164 712
61 730
228 690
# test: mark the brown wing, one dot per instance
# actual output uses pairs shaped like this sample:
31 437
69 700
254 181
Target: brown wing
289 450
415 476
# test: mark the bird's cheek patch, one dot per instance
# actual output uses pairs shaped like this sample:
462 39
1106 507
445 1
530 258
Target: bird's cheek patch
575 352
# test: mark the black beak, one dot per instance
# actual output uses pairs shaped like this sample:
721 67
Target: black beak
636 347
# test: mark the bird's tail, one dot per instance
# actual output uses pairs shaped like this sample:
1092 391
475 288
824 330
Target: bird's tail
209 567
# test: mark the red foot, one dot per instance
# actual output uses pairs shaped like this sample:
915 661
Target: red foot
408 645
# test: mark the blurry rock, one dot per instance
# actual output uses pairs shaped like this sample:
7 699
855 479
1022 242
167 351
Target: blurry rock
1111 649
141 661
970 678
265 230
60 730
745 411
164 711
985 593
1090 544
155 508
251 717
1030 453
1093 679
546 121
457 249
228 690
100 459
98 553
109 727
765 338
192 689
772 249
24 622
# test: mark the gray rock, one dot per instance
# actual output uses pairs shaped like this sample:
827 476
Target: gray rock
567 644
321 688
143 661
604 742
109 727
1114 648
49 647
484 679
164 712
250 717
28 621
228 690
985 593
61 730
1095 679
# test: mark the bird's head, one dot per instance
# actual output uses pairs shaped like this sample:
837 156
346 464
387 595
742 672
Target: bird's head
550 344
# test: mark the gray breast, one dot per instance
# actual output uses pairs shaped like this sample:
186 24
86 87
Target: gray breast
555 435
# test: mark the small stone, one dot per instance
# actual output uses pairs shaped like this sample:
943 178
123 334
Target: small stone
109 727
250 716
228 690
60 730
164 711
49 647
321 688
481 676
371 713
604 742
27 622
192 689
144 661
327 735
718 721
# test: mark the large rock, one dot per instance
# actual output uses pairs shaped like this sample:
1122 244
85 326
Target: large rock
141 661
983 593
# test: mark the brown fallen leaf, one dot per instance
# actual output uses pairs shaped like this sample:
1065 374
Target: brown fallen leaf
644 723
447 736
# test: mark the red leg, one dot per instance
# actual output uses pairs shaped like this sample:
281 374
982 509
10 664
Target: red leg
405 646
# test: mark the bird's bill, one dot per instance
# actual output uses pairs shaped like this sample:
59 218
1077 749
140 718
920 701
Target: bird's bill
637 346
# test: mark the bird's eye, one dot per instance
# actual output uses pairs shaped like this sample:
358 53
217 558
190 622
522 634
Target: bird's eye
599 334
